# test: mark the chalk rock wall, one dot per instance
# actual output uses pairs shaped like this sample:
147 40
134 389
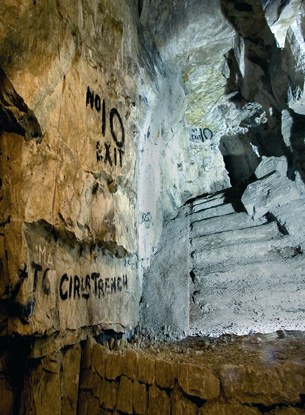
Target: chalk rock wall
179 154
227 75
98 147
69 99
242 69
113 115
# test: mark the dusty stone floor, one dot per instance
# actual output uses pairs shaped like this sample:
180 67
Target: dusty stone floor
258 348
229 375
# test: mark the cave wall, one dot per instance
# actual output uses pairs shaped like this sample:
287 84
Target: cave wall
96 151
109 127
243 75
250 376
179 156
113 115
69 105
95 154
248 381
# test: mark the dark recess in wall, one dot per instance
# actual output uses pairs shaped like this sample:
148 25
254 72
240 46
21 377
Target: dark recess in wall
140 7
16 349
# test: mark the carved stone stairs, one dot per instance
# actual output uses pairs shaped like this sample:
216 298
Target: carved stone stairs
238 265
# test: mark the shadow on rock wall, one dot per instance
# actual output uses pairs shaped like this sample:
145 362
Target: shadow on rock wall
257 74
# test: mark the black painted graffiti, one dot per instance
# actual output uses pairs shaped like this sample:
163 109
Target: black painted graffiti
45 283
22 277
91 285
24 311
199 134
113 113
70 287
113 155
207 134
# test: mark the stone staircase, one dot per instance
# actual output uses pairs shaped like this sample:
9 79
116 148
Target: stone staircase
231 262
245 274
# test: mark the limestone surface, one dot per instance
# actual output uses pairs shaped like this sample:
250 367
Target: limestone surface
257 374
267 193
69 102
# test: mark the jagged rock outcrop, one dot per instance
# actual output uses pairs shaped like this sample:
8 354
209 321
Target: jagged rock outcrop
15 116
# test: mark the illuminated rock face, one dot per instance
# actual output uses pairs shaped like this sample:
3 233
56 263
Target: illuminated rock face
179 149
123 125
244 100
97 149
68 167
113 115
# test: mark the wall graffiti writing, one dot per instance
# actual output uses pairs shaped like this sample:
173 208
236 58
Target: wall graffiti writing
199 134
44 278
92 285
105 152
45 257
111 153
40 275
207 134
69 287
24 311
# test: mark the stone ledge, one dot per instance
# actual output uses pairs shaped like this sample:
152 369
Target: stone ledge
230 375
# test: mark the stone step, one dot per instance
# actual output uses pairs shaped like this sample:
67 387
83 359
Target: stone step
291 217
265 232
247 298
214 211
208 201
230 222
220 259
268 193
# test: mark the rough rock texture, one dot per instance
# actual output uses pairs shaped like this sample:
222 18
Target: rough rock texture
179 154
108 105
51 384
113 115
252 113
245 244
248 375
239 259
226 376
263 195
269 165
132 115
165 287
68 197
